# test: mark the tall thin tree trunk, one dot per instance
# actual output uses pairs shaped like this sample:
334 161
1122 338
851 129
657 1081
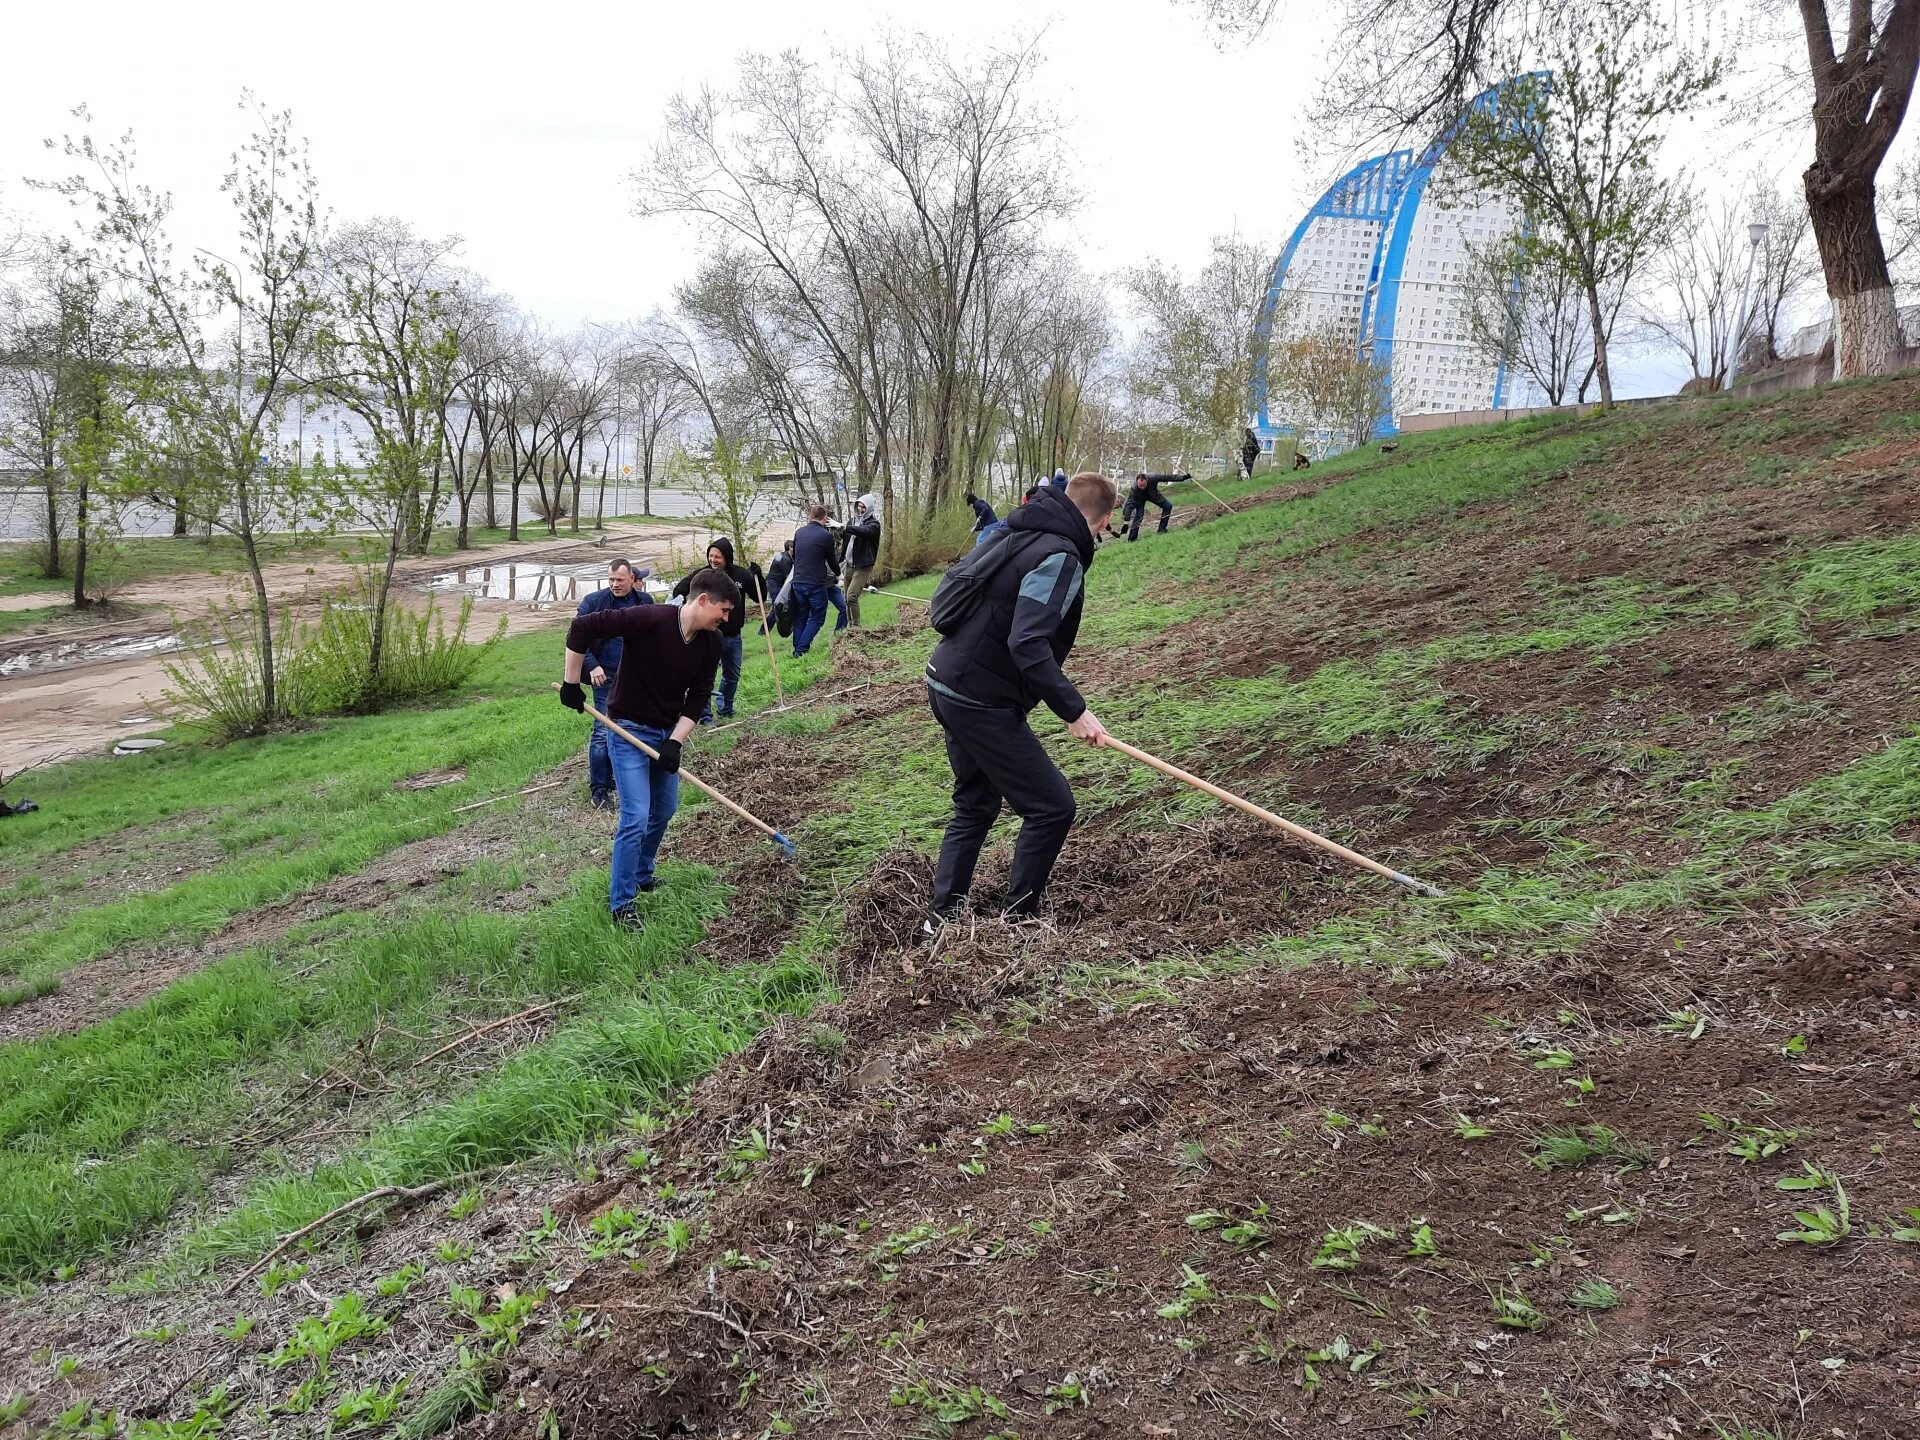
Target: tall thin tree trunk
50 564
80 522
262 610
377 650
1600 368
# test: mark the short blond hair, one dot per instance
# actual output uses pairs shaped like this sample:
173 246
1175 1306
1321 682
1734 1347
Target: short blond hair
1092 493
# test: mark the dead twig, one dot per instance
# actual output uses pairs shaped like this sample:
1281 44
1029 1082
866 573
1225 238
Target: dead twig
407 1194
480 1030
495 800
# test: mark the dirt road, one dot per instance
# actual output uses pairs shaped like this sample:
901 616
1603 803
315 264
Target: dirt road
74 691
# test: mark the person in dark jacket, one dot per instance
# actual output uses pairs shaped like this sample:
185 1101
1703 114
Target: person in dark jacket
778 570
1145 491
814 553
1059 481
732 649
675 650
623 592
1249 451
983 516
984 679
861 540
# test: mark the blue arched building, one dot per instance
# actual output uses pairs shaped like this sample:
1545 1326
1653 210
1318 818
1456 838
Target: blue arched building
1381 256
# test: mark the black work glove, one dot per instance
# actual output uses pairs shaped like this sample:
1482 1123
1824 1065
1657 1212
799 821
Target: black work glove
573 697
1187 476
669 755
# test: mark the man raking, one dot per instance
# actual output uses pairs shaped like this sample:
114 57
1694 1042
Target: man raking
1008 615
669 656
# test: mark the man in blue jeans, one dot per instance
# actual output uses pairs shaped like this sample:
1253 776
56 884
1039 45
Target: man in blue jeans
623 592
657 699
813 567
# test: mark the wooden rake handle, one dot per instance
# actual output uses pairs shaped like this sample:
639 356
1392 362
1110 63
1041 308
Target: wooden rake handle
1299 832
692 779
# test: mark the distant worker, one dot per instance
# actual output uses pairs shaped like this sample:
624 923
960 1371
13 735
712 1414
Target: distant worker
675 651
1145 491
1249 451
999 527
862 541
813 566
990 670
1059 477
603 664
983 516
778 570
732 649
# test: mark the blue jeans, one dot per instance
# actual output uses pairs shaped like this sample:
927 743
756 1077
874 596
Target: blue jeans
732 652
599 767
647 802
810 613
837 598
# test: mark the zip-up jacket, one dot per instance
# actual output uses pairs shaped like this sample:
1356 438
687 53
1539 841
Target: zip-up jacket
983 515
813 555
862 540
606 653
1138 494
778 569
1007 654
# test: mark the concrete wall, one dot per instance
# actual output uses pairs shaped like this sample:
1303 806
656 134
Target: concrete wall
1447 419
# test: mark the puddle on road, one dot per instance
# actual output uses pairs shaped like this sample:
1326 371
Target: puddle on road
530 582
76 652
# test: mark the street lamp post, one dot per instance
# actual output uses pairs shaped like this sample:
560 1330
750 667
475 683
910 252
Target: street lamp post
1756 237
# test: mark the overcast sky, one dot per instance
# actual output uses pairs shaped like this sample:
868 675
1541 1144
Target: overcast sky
514 126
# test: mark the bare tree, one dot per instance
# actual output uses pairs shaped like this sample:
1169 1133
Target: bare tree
1784 267
1193 364
1700 282
1525 309
1332 397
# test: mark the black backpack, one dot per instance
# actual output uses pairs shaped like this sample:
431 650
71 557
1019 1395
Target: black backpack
964 586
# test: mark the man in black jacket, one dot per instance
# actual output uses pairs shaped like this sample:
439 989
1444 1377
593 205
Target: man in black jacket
985 677
813 566
1145 491
732 648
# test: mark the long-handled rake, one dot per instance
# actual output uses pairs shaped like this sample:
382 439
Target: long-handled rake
896 595
787 847
1299 832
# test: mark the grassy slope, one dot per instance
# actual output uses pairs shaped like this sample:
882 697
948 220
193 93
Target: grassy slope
1477 735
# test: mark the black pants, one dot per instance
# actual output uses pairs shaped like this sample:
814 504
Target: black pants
1136 508
996 757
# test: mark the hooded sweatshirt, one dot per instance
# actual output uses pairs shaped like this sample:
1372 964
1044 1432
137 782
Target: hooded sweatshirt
1007 654
750 581
863 535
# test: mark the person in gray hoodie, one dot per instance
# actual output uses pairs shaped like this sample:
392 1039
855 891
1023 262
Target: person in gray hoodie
862 541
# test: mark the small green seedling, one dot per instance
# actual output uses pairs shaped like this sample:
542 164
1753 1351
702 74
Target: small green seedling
278 1275
1196 1293
1424 1246
389 1286
453 1252
1465 1128
461 1208
1515 1311
1340 1247
1689 1022
1595 1295
1819 1225
1555 1059
1071 1393
369 1407
1582 1086
1749 1143
1562 1147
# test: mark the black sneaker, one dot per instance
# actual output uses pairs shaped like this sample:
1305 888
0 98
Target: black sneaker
628 918
726 714
647 887
603 800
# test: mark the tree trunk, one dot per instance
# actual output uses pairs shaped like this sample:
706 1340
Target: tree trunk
50 562
377 650
80 547
179 513
1600 369
262 611
513 510
1866 328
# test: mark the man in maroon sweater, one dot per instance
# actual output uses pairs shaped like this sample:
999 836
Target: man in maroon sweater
669 654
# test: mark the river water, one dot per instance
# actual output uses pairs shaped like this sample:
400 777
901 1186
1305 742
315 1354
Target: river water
22 512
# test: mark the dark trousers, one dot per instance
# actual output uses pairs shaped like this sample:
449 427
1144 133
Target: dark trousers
1136 509
996 758
732 652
